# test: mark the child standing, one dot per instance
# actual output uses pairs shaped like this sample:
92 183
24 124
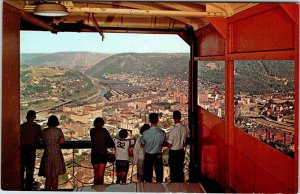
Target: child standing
122 155
139 154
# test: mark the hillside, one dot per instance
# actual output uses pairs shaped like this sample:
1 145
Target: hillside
254 77
45 82
152 64
77 60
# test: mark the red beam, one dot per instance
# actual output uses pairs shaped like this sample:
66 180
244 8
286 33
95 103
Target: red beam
296 134
229 119
210 58
264 55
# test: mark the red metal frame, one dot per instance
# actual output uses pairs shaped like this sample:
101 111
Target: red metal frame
212 58
264 32
266 55
296 157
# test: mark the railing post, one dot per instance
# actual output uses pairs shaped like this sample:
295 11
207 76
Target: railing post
73 167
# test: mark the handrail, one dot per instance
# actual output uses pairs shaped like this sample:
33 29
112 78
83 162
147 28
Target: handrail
70 145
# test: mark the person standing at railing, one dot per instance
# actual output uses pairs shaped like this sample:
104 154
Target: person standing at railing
122 155
139 154
30 135
52 164
176 142
101 140
153 140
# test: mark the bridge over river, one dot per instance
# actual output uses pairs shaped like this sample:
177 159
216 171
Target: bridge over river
65 101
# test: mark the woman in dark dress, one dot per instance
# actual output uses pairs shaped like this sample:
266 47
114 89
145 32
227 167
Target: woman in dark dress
52 164
101 140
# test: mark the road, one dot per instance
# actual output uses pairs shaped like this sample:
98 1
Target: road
278 125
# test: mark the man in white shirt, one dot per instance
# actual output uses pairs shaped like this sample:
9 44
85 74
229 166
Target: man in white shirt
177 142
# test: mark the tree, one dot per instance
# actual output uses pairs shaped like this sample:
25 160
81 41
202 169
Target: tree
63 117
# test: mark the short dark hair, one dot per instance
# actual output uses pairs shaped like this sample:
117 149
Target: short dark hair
123 133
31 114
144 128
52 121
176 114
153 118
98 120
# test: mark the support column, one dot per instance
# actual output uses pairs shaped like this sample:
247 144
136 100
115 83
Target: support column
296 96
195 150
10 155
229 109
229 118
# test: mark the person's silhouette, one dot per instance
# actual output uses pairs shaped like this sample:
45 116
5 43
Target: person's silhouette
30 135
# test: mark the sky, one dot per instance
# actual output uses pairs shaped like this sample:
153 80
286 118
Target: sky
46 42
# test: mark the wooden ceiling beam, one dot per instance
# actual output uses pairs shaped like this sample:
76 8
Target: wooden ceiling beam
138 12
195 23
151 6
224 8
133 30
181 6
118 21
239 7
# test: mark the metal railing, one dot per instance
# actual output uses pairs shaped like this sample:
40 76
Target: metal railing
74 162
72 178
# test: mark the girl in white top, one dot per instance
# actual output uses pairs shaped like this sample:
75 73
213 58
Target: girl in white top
122 155
139 154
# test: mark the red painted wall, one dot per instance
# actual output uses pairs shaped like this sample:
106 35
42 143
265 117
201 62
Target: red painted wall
211 42
258 167
255 166
269 28
213 146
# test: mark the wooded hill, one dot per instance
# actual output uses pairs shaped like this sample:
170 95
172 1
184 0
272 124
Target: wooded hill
255 77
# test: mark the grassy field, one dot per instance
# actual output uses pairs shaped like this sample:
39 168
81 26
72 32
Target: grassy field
39 73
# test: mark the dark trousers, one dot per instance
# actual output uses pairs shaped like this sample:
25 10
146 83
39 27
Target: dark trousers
153 160
27 164
176 159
